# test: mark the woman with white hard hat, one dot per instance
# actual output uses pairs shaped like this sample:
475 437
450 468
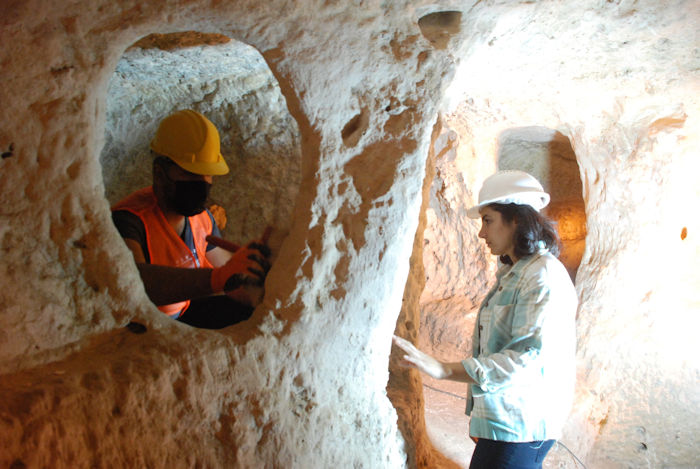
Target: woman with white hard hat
522 370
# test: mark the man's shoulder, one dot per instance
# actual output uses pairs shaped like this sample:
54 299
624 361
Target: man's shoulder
136 200
127 223
125 216
130 226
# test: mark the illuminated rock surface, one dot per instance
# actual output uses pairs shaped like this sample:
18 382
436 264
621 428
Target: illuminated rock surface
331 146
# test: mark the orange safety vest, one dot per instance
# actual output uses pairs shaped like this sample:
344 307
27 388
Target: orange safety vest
165 246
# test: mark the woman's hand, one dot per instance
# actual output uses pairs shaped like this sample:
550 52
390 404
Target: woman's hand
421 361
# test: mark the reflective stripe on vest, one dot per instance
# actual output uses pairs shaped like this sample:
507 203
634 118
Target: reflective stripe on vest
165 246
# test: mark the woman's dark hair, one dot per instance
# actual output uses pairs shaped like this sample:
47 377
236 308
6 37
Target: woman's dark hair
530 228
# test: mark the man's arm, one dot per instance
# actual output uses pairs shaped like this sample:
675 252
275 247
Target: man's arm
218 256
166 285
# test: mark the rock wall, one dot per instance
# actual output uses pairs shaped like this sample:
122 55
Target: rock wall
232 85
620 81
93 375
547 155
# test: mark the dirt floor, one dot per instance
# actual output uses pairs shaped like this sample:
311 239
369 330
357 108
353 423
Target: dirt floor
447 424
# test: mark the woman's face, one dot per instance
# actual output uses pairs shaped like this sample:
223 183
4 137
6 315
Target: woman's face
497 233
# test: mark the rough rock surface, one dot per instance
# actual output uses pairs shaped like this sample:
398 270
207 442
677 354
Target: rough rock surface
303 383
232 85
93 376
620 81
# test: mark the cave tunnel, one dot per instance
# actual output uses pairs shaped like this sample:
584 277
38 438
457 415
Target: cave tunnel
547 155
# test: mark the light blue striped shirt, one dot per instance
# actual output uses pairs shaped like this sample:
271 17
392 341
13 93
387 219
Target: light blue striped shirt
524 349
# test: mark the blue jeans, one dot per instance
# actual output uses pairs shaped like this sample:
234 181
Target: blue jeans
490 454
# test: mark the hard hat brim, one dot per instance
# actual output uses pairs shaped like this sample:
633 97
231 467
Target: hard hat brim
536 200
218 168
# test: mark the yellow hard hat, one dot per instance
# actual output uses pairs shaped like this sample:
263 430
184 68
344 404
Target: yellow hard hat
192 142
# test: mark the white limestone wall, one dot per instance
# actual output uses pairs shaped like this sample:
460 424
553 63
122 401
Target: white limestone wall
620 80
92 374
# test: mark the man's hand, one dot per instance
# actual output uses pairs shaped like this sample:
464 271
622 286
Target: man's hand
247 266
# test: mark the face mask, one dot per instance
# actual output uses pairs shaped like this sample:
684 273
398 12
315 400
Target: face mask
189 197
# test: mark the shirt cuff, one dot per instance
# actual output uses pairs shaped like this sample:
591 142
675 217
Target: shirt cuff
475 371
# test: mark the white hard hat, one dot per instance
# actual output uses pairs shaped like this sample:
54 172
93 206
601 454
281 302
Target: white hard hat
510 187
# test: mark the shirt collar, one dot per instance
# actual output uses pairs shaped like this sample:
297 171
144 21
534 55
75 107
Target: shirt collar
518 267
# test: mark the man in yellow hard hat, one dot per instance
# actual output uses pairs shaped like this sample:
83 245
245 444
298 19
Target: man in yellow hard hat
167 224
